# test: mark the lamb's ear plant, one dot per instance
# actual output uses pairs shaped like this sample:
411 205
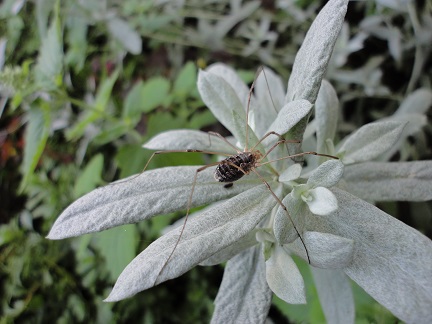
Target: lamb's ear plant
345 236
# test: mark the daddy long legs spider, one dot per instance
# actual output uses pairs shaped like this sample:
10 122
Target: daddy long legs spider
237 165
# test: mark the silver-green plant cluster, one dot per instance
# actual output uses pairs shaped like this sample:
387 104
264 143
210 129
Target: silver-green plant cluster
329 201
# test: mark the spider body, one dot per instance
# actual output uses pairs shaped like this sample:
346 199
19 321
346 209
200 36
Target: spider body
236 166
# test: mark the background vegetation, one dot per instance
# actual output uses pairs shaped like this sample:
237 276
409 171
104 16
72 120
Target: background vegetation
83 84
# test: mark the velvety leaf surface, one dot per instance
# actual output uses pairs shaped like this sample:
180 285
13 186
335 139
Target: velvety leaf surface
312 58
284 278
387 181
290 115
139 197
221 99
371 140
326 250
326 115
232 250
392 261
327 174
184 139
244 295
335 294
203 236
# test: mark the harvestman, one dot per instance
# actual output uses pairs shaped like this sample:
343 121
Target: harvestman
235 166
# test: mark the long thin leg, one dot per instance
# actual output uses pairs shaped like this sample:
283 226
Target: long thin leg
299 154
189 203
273 133
285 209
224 139
272 148
166 152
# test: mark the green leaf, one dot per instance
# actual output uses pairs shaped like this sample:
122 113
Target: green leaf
48 70
128 37
118 247
90 177
146 96
93 114
36 135
185 82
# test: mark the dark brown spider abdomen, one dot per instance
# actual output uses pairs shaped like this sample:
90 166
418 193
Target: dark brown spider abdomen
234 167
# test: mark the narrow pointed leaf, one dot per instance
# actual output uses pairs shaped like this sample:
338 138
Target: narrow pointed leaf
313 56
327 251
418 101
326 115
184 139
140 197
291 173
327 174
335 294
371 140
392 261
284 278
283 228
232 78
290 115
231 251
49 65
244 295
387 181
36 136
221 99
270 96
203 236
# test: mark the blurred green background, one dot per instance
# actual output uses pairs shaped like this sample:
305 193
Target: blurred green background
83 84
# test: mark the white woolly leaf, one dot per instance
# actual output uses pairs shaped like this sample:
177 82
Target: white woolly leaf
327 174
326 115
335 295
232 78
184 139
221 99
371 140
283 228
290 115
140 197
392 262
244 295
229 252
327 251
322 201
418 102
284 278
313 56
270 95
387 181
293 172
217 228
